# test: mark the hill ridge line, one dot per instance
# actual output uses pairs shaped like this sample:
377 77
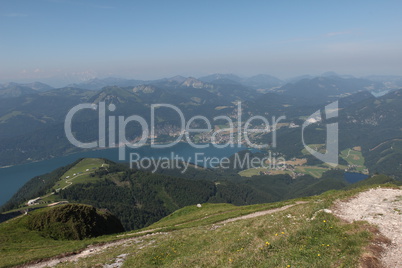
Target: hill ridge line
97 248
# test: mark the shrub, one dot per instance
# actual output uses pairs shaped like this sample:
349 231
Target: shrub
74 222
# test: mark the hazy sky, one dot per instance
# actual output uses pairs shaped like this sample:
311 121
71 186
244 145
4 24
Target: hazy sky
154 39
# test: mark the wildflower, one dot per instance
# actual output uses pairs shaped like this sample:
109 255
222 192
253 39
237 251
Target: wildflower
324 221
282 232
318 254
276 234
288 266
267 243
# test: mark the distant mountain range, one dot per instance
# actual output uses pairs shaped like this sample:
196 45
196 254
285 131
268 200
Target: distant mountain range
10 90
328 88
261 83
32 118
97 84
32 115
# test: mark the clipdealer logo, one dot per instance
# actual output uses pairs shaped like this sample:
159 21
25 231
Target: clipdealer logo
330 157
238 131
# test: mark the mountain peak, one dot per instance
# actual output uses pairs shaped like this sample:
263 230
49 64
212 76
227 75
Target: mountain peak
39 86
213 77
146 89
177 78
12 89
193 82
112 94
329 74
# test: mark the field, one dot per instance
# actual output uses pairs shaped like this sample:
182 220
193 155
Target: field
316 147
316 172
252 172
221 107
256 171
278 172
354 158
80 172
296 162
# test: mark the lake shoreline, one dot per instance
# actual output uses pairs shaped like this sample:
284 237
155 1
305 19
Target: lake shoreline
231 145
13 177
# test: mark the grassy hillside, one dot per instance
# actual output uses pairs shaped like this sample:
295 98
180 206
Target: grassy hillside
73 222
21 240
301 235
48 185
140 198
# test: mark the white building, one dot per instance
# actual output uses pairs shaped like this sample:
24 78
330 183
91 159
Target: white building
33 201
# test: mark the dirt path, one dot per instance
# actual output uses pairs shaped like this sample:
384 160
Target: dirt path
372 149
255 214
69 180
381 207
348 153
90 250
260 213
248 216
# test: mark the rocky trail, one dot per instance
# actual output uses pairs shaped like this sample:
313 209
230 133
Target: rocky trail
383 208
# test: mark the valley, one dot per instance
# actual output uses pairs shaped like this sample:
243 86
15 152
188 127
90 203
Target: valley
276 191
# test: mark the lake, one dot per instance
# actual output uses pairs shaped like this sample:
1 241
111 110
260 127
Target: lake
13 178
353 177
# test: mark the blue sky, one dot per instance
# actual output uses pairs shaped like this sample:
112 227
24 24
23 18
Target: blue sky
153 39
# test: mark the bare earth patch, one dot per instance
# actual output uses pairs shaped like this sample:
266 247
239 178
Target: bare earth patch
255 214
91 250
381 207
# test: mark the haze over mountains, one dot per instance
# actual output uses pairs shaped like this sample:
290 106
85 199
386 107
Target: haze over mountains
32 118
261 83
32 115
9 90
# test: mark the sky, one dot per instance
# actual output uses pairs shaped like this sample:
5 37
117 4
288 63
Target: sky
52 40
